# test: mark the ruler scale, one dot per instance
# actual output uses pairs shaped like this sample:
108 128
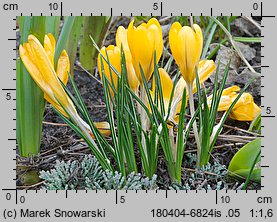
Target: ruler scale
171 205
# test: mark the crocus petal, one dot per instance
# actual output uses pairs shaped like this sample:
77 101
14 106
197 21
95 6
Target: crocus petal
166 83
131 76
180 86
155 33
228 96
231 90
112 54
224 104
189 55
205 69
63 67
49 47
121 38
104 128
26 58
174 41
121 41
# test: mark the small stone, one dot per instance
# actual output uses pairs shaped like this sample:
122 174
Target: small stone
248 52
224 54
243 26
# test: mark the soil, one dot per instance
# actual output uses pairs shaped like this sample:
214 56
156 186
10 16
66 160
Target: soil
59 142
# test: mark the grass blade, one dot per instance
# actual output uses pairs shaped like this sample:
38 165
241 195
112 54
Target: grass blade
65 33
208 41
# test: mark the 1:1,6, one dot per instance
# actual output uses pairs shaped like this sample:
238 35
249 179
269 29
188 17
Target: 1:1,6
261 213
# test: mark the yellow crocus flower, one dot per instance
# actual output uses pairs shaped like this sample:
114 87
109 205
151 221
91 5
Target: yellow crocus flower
143 42
186 47
39 61
244 110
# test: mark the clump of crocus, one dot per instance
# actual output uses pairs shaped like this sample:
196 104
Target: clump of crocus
245 108
39 61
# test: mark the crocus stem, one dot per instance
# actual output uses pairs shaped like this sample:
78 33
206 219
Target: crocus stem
194 126
144 118
80 123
